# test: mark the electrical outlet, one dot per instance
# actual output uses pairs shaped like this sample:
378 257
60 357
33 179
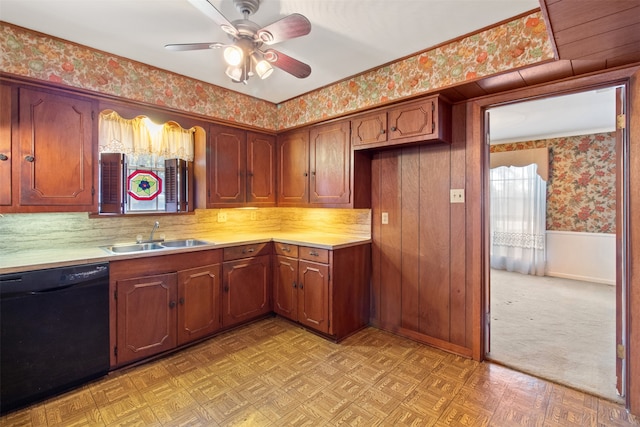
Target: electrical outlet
457 195
254 216
222 217
385 217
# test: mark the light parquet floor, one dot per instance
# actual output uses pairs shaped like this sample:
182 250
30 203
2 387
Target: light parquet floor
273 373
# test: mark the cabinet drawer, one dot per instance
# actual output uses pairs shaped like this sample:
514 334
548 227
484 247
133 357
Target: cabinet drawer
314 254
286 249
246 251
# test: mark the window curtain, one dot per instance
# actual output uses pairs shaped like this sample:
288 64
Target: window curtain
139 138
518 199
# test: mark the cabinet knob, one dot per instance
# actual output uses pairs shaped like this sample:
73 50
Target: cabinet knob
29 158
306 174
226 288
300 286
172 304
314 253
294 285
244 251
382 131
393 128
3 157
181 301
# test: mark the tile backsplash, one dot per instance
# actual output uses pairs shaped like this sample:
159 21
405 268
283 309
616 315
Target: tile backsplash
20 232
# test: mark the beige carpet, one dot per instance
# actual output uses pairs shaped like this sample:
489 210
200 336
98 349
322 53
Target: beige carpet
559 329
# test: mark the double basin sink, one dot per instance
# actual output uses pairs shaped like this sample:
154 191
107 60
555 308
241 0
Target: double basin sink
154 246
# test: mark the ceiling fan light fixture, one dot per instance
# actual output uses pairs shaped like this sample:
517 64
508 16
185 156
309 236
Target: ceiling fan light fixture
262 68
234 73
233 55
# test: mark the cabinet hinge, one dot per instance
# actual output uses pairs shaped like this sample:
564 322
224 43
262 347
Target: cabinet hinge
93 191
620 351
115 351
93 115
621 121
115 294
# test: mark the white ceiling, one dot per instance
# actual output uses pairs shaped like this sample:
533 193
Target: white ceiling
347 36
581 113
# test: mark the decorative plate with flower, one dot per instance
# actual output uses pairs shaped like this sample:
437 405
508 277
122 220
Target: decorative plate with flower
144 185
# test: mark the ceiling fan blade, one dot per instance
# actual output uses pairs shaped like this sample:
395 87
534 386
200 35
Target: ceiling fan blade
214 14
287 63
289 27
179 47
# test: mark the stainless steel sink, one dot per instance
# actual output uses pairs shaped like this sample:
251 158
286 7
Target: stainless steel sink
143 247
135 247
183 243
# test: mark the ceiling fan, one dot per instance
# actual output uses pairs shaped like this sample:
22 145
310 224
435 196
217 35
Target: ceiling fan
246 55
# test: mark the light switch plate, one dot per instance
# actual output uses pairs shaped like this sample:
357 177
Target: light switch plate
457 195
385 217
222 217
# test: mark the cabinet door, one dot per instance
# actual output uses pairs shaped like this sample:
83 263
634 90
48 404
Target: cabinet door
261 169
5 146
285 287
146 316
246 291
313 296
369 129
226 164
198 302
55 141
412 122
293 168
329 157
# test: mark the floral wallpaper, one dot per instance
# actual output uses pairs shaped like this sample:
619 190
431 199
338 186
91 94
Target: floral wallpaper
521 42
581 191
516 44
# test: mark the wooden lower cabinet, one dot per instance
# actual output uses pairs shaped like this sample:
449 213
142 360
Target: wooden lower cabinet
198 302
162 302
324 290
246 289
313 296
146 309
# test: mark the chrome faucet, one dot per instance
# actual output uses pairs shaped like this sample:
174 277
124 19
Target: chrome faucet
156 225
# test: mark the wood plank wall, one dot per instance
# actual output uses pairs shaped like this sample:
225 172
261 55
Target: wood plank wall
419 286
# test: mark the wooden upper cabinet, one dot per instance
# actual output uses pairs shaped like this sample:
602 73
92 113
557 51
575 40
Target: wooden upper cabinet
293 168
369 129
329 160
423 121
5 146
227 165
55 161
261 169
241 168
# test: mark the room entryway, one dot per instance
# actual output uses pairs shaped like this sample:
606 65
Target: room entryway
556 318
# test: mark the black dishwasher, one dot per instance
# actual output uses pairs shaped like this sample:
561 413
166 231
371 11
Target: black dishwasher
54 331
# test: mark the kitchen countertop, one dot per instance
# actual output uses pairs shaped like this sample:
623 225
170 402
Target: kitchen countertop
59 256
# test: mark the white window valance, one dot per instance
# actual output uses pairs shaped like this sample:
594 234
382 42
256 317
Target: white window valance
521 158
140 137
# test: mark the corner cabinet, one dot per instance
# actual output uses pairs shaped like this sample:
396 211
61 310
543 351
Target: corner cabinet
52 134
162 302
241 168
427 120
324 290
316 168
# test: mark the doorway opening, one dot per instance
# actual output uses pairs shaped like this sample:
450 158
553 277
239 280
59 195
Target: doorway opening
553 288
